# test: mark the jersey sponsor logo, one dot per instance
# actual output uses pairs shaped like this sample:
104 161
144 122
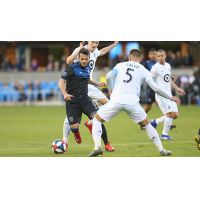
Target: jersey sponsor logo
91 64
167 78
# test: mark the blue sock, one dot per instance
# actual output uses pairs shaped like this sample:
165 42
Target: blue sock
74 130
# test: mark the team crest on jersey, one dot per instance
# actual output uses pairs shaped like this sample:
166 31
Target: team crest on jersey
71 119
167 78
91 64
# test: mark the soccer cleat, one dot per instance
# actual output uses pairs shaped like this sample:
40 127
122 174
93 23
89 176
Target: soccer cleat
165 153
66 146
166 137
77 137
153 123
108 147
97 152
172 126
88 126
197 139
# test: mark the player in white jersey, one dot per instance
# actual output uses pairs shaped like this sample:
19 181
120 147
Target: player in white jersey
161 72
93 92
125 97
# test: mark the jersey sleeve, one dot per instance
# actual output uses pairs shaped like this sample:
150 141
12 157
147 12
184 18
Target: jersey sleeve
147 75
98 52
154 71
69 72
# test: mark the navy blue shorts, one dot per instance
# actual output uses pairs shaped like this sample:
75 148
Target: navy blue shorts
150 97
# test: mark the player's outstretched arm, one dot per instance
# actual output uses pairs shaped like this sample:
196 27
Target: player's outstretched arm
107 49
102 84
61 85
73 57
179 90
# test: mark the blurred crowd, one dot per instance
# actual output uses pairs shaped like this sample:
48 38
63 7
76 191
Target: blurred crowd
19 66
173 58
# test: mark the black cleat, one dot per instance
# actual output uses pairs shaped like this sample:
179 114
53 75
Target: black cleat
197 139
97 152
172 126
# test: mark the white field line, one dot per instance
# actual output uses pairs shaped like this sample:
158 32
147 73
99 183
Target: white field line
92 145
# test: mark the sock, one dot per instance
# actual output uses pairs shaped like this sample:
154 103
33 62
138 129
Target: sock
90 122
104 135
153 135
96 133
66 130
167 125
75 130
161 119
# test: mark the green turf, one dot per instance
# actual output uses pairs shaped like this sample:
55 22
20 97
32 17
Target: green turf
30 131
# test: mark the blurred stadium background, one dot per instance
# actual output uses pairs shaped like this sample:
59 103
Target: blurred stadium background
30 71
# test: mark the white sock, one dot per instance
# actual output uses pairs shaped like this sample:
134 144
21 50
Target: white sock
167 125
90 122
153 135
66 130
161 119
96 133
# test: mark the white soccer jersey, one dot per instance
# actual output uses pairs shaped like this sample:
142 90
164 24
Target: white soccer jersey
93 57
162 74
130 76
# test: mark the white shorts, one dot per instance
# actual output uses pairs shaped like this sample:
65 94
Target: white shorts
95 94
111 109
166 105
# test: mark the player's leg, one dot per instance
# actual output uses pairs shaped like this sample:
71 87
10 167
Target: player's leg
138 115
97 97
66 128
150 99
74 115
90 109
105 114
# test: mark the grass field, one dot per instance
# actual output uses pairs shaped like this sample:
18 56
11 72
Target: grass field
30 131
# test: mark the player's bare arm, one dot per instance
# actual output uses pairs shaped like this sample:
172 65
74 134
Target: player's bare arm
97 84
107 49
179 90
73 57
61 85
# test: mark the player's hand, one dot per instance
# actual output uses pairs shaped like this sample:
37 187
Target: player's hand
102 84
173 78
116 43
82 45
110 92
177 100
67 97
180 91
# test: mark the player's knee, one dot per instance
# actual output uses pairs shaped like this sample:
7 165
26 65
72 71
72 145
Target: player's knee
175 115
98 118
144 123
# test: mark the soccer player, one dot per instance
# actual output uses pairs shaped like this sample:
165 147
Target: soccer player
150 97
93 92
125 97
76 77
161 72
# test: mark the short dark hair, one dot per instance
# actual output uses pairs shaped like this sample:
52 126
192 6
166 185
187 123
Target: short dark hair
161 50
135 53
84 51
152 50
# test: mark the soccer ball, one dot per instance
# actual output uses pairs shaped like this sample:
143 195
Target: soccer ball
59 146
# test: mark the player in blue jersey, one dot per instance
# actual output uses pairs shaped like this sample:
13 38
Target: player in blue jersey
77 77
150 97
